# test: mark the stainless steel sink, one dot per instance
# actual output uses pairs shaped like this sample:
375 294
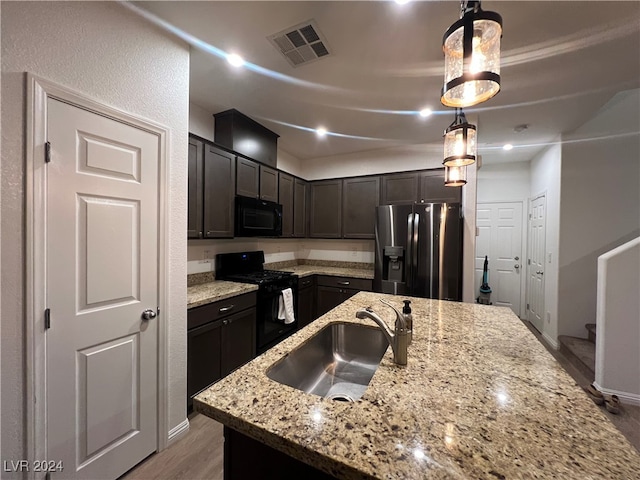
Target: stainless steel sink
337 362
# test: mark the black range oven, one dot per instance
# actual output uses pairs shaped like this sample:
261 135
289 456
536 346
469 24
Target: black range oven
248 267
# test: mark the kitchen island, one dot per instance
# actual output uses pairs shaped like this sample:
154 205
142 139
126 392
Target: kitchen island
479 398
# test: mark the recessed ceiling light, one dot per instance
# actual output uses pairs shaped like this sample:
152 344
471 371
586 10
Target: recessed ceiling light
425 112
401 2
507 146
235 60
321 131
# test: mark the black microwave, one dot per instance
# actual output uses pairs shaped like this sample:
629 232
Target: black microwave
257 218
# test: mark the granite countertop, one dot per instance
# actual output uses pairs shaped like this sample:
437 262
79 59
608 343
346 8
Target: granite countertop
212 290
306 270
479 398
217 290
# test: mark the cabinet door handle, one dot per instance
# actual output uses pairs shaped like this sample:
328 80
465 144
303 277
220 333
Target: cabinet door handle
226 309
200 234
225 322
343 283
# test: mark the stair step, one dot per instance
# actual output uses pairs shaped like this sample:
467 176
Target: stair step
591 328
580 352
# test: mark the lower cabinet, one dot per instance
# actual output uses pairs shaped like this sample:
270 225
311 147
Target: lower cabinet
332 291
221 337
306 301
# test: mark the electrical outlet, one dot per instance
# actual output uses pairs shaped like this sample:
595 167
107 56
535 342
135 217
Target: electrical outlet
206 256
548 317
354 251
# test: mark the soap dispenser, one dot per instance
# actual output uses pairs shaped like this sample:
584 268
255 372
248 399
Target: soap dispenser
408 319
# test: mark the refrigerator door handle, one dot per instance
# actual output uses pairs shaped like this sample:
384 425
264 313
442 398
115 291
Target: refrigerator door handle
409 259
414 252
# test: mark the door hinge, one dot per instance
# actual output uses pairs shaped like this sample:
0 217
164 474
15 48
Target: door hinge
47 152
529 216
528 261
527 306
47 319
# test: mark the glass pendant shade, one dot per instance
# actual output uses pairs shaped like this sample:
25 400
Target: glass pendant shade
472 58
460 144
455 176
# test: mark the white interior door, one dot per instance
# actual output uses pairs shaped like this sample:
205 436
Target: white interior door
500 238
535 267
102 256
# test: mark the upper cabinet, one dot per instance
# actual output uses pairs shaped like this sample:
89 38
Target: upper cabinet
219 192
433 189
325 219
399 188
256 181
285 198
195 227
244 135
360 197
300 208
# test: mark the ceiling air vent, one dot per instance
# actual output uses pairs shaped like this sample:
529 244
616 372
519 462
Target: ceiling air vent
301 44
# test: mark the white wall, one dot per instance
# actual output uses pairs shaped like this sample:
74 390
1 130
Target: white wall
545 178
201 121
600 204
504 182
104 51
618 320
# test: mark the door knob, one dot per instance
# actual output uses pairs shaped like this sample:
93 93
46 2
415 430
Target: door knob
516 266
148 314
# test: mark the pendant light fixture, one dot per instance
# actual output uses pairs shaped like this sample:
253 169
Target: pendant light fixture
455 176
472 57
459 142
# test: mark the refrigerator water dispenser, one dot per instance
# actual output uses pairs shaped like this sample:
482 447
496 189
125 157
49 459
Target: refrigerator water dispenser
393 264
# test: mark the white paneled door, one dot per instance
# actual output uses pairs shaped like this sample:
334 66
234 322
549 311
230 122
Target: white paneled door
500 238
535 272
102 257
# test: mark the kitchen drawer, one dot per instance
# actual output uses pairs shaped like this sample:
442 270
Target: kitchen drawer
216 310
306 282
345 282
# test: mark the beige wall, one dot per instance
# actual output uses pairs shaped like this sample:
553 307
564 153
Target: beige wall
104 51
600 203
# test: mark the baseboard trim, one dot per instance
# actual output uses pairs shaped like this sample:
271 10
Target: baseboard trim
178 431
551 341
626 398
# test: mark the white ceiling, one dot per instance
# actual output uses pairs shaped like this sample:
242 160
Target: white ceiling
561 61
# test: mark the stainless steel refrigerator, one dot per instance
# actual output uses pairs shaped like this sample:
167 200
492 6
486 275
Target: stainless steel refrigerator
419 250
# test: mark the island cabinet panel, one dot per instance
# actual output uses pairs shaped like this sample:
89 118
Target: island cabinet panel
300 208
238 340
433 189
221 336
285 198
326 209
268 184
247 178
399 188
219 192
360 198
306 301
246 458
195 193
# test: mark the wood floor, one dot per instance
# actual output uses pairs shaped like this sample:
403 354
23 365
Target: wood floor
199 454
196 456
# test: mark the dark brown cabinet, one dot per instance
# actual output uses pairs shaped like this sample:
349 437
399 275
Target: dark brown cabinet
360 197
219 192
194 190
306 301
256 181
332 291
433 189
268 184
221 336
238 340
399 188
285 198
326 209
300 208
